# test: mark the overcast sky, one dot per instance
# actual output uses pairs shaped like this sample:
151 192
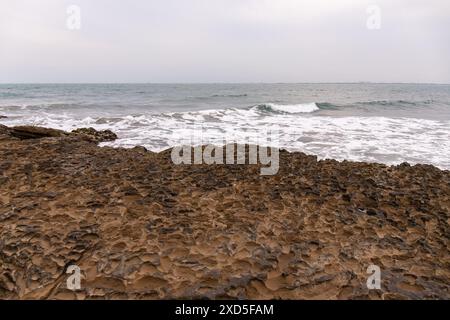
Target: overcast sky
225 41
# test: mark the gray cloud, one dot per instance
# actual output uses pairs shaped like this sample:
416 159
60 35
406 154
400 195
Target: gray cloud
224 41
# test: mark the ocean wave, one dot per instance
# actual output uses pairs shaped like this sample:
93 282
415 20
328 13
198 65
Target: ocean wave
328 106
393 103
374 139
40 106
287 108
376 103
229 95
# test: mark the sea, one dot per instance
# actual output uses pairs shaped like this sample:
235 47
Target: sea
384 123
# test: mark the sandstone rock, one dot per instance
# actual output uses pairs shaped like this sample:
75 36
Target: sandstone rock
5 132
94 135
4 129
140 149
32 132
140 227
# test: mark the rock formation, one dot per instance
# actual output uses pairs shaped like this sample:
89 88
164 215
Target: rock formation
94 135
33 132
140 227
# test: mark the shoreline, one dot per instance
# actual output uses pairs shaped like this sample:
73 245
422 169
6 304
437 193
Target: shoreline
139 226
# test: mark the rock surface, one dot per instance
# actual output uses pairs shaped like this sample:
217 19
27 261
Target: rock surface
140 227
94 135
32 132
4 129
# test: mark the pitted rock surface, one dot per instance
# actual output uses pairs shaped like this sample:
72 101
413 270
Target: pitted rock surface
141 227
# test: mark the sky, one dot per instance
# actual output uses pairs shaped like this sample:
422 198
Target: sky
186 41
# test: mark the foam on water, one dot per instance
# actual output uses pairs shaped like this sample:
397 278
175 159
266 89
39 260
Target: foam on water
388 123
288 108
373 139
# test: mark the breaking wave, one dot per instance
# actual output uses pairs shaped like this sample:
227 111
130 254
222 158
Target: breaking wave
287 108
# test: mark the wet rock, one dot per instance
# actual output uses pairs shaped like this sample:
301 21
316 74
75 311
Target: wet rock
94 135
32 132
404 165
140 149
4 129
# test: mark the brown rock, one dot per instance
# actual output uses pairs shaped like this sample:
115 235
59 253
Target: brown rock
140 227
4 129
32 132
94 135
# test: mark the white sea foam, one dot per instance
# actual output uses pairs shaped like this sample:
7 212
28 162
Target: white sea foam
374 139
293 108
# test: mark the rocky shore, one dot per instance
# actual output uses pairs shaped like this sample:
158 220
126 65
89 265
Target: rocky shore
140 227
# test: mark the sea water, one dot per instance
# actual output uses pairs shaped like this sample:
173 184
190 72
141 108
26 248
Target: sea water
387 123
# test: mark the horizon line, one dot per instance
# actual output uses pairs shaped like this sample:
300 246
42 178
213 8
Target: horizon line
219 82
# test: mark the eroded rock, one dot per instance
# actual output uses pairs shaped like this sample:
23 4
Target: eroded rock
140 227
94 135
32 132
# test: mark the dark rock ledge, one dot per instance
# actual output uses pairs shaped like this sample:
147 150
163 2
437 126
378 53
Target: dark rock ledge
33 132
